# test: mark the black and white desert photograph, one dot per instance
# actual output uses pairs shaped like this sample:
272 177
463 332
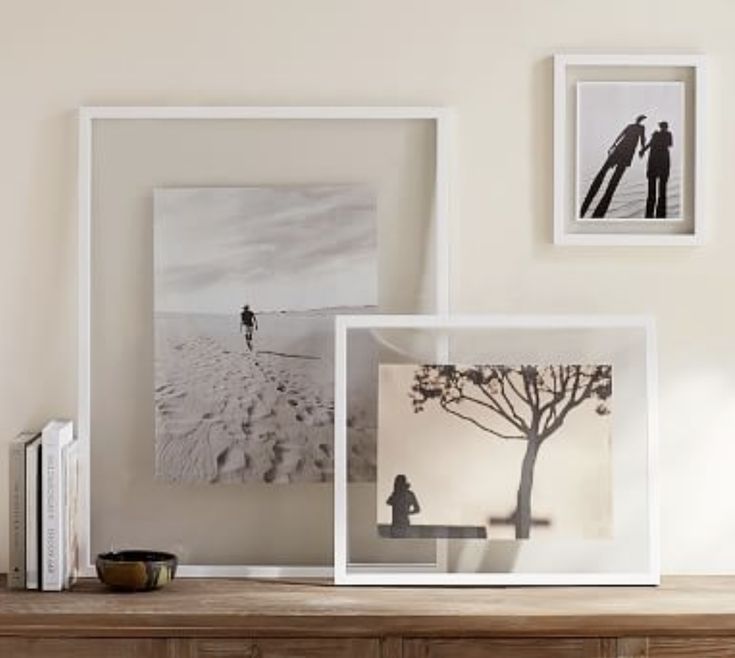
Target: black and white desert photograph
248 281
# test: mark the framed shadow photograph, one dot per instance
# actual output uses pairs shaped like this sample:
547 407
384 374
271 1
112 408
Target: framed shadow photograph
525 446
628 150
509 425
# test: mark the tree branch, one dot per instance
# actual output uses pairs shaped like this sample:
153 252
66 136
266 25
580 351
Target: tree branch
571 404
517 391
525 373
493 404
523 425
476 423
560 379
496 408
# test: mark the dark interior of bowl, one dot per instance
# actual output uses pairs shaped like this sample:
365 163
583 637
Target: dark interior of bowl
137 556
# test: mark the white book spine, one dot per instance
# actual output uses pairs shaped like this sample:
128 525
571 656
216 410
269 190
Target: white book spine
56 435
70 507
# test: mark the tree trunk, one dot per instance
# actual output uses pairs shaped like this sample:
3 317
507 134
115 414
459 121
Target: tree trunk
525 487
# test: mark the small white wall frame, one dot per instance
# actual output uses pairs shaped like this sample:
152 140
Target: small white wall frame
642 360
633 69
88 116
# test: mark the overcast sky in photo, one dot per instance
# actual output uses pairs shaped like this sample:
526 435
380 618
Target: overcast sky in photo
273 247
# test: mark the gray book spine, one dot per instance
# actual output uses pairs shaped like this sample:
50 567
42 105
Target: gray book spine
17 516
33 513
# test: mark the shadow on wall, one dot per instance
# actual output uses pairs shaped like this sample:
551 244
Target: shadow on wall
540 156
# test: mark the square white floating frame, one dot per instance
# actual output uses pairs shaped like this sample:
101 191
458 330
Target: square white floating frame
565 201
442 119
346 574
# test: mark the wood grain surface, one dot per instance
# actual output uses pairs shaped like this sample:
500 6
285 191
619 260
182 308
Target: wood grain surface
266 648
391 647
631 647
682 606
24 647
530 648
706 647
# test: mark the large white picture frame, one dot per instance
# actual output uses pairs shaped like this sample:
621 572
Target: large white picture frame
638 364
626 77
88 118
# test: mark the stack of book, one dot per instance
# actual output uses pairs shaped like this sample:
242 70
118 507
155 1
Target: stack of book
44 502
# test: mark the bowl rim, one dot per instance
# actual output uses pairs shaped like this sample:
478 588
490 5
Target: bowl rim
128 555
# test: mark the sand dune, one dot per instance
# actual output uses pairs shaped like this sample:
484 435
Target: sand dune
226 414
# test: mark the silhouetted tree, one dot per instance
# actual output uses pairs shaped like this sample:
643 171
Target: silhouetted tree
527 403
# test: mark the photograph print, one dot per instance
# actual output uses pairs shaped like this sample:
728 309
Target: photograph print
247 281
495 452
630 151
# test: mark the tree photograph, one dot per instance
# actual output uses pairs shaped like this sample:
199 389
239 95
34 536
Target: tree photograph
522 448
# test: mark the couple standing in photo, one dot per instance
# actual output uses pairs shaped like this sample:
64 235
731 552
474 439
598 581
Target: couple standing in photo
620 156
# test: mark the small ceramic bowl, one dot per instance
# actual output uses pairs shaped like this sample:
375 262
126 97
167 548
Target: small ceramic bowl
136 570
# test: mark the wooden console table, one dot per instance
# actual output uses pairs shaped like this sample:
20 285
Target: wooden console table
685 617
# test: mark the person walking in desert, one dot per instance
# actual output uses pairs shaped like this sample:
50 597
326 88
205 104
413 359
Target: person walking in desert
658 169
619 158
250 323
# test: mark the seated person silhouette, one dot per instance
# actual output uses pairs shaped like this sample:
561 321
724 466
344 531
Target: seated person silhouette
658 169
404 503
619 157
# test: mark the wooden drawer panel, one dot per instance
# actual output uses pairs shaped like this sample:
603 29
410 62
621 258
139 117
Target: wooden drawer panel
328 648
478 648
663 647
21 647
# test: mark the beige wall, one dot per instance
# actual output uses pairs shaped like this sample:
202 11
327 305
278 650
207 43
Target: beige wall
487 58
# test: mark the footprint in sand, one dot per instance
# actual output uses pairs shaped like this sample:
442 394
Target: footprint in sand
260 416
